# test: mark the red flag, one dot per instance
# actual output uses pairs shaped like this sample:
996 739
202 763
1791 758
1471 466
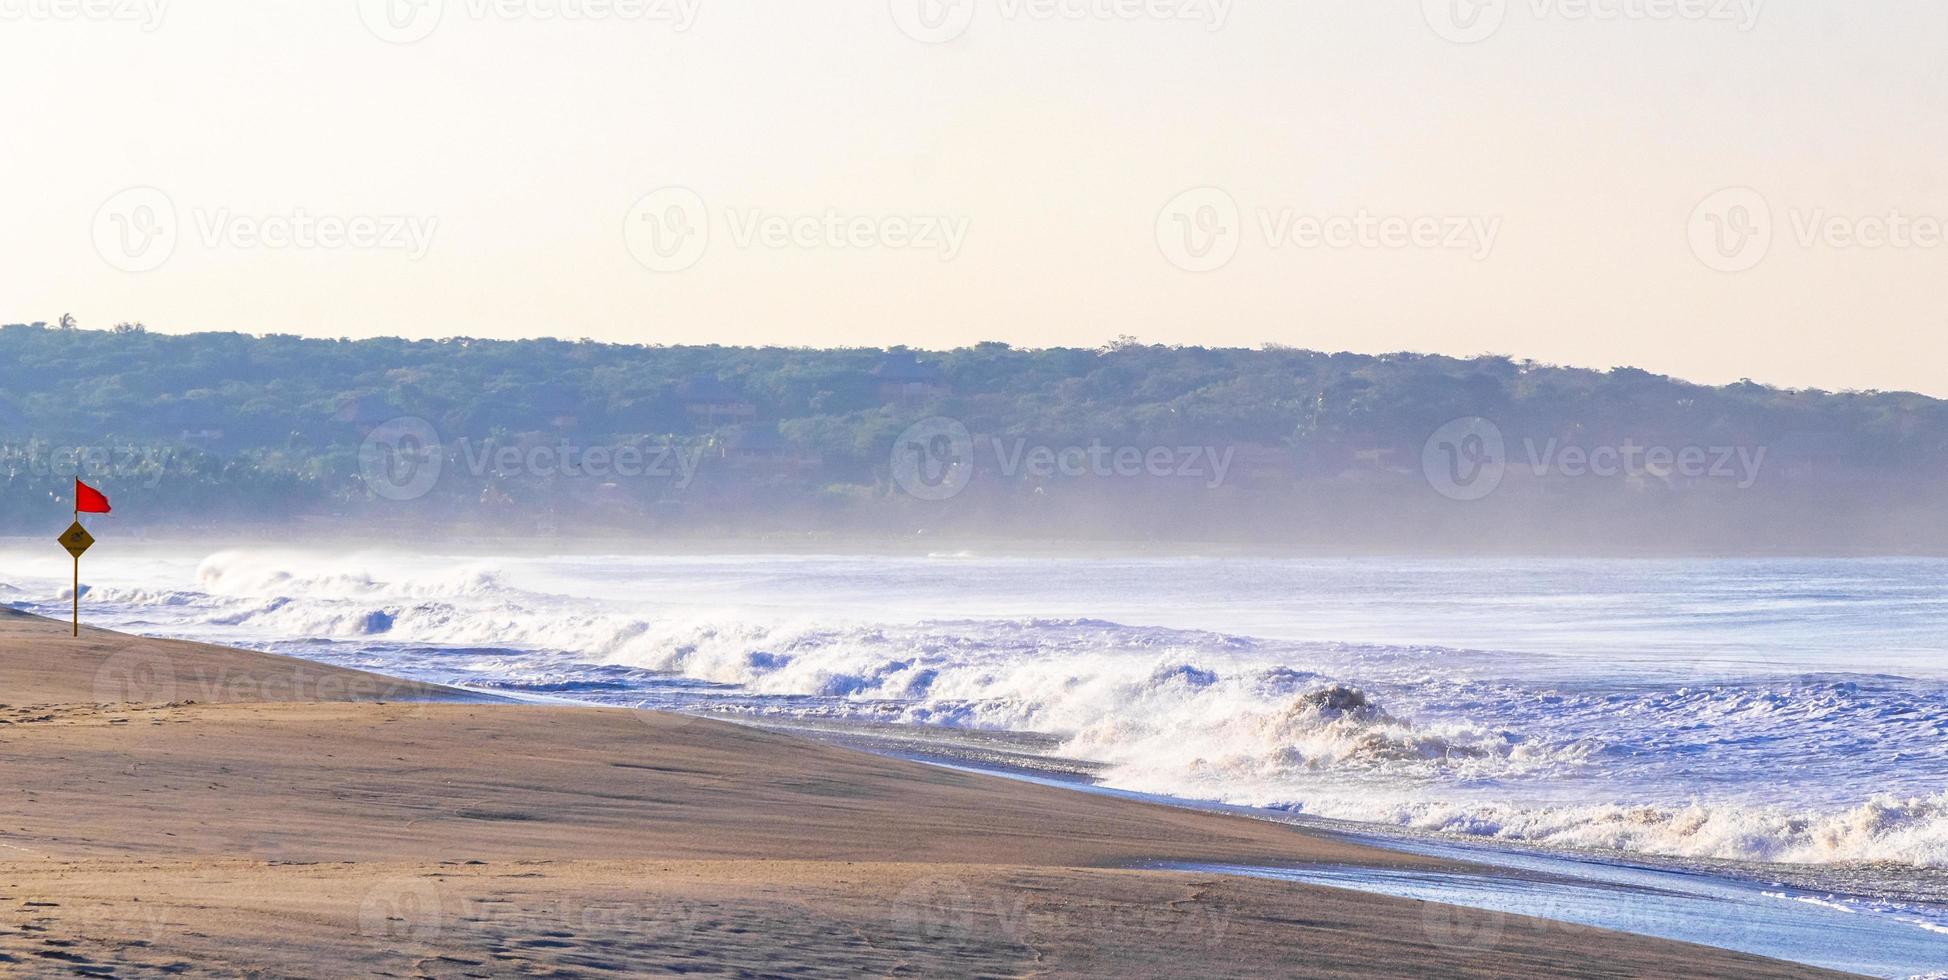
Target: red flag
89 500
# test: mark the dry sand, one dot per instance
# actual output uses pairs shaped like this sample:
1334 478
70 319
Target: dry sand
176 809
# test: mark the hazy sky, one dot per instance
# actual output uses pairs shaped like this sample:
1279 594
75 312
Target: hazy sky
1711 188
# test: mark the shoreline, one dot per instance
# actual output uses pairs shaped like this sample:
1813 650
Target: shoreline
1891 917
1907 883
305 815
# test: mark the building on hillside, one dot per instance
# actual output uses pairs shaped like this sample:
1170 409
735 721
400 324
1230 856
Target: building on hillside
761 447
715 401
905 380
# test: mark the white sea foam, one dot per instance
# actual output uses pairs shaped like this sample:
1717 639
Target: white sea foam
236 573
1789 768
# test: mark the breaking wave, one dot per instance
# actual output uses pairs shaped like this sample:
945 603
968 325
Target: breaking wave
1909 830
1812 768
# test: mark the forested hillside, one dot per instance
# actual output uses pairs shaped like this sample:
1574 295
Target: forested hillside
1274 447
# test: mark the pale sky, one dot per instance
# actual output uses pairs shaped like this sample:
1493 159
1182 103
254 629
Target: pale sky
1556 189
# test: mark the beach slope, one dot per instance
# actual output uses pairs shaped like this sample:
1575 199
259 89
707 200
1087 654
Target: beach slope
179 809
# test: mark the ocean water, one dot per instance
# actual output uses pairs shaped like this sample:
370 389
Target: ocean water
1776 712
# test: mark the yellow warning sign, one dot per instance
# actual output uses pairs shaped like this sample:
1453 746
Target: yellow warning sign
77 539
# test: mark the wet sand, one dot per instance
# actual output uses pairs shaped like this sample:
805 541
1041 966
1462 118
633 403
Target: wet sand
179 809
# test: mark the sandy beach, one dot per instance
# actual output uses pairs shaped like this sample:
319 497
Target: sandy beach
181 809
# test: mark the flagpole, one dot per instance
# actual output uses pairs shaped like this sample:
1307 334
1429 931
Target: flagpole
77 564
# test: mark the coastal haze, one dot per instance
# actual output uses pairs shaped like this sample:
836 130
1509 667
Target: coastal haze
581 445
